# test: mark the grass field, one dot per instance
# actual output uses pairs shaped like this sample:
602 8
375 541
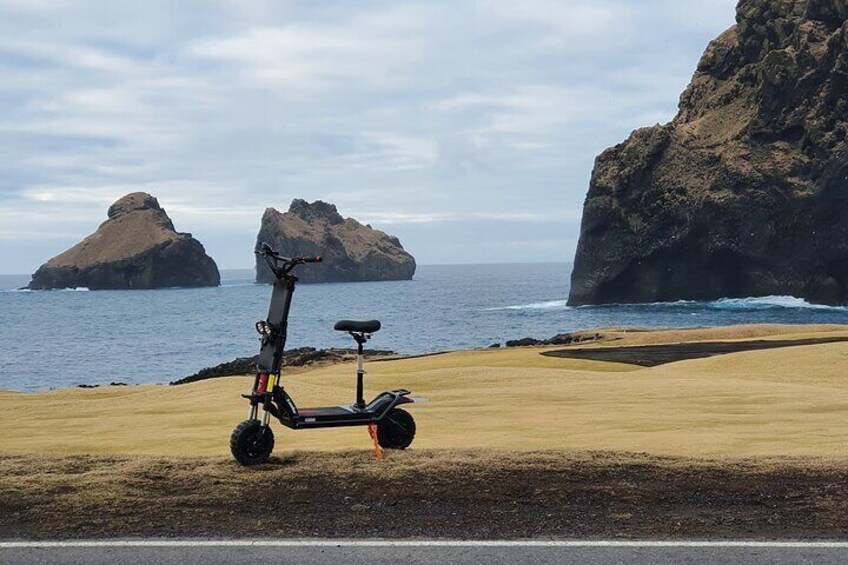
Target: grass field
790 401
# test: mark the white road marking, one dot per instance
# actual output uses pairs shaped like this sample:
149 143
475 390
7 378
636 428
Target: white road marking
420 543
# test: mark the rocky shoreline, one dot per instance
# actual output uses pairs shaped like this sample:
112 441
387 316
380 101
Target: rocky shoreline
643 355
307 356
299 357
559 339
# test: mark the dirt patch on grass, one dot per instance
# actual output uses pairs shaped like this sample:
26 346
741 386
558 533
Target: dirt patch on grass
653 355
469 494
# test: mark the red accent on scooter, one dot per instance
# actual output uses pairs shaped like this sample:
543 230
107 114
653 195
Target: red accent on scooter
263 383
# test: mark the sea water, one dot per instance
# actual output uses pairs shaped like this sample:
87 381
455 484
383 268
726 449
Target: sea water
60 338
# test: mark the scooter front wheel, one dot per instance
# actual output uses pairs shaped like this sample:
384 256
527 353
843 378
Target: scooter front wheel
251 443
396 430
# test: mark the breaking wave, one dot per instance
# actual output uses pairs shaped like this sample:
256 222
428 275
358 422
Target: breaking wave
727 304
767 302
547 305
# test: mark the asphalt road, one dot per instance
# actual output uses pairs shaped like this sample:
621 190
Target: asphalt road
586 553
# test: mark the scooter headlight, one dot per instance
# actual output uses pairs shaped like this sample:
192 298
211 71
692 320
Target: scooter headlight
263 328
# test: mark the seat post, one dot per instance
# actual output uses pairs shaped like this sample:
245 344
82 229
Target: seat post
360 369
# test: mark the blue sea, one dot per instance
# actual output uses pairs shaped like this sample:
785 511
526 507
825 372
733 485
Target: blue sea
60 338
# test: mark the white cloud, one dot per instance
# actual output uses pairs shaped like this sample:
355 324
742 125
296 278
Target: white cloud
567 24
371 51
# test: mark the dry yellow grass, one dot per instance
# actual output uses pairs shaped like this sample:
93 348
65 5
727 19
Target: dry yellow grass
788 401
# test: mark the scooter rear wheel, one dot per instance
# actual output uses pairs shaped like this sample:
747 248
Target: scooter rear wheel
251 443
396 430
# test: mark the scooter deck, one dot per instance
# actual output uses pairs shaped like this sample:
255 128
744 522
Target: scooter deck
331 416
329 411
346 414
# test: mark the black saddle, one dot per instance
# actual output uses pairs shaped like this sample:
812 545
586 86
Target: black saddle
364 326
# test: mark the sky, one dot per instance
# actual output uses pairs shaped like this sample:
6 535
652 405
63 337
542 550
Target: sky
467 129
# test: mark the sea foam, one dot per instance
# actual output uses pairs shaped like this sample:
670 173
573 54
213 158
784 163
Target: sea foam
547 305
766 302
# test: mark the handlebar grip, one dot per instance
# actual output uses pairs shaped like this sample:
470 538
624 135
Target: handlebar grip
312 259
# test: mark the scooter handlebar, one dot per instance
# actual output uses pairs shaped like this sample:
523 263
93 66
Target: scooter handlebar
265 249
280 264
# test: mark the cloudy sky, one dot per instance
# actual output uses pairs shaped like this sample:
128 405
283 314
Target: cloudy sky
468 129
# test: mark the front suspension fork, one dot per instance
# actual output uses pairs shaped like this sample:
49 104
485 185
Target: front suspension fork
263 384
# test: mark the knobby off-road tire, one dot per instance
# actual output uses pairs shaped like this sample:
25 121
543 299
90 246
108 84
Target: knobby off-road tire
251 444
396 430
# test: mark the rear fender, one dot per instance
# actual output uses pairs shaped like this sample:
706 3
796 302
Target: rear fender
390 400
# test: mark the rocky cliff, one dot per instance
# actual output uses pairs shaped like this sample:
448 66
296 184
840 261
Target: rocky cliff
136 247
351 251
745 191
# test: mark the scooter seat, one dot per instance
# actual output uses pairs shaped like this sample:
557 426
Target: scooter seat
364 326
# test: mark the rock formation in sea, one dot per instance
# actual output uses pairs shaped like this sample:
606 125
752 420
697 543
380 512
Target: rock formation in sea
745 191
351 251
135 248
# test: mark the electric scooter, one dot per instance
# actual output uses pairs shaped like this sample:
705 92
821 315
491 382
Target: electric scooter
252 441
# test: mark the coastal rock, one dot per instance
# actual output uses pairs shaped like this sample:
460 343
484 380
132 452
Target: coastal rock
136 247
351 251
745 192
559 339
523 342
299 357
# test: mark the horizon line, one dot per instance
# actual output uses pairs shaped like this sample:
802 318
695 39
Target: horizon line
419 265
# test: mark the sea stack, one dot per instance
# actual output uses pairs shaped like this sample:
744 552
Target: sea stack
351 251
135 248
745 192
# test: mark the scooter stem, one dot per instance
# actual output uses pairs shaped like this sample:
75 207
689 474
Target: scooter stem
360 372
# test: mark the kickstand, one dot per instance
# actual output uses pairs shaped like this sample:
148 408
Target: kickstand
372 431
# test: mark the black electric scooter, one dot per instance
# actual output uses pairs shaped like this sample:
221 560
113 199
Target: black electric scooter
253 440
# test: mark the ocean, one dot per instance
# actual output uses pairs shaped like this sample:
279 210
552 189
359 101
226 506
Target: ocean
61 338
